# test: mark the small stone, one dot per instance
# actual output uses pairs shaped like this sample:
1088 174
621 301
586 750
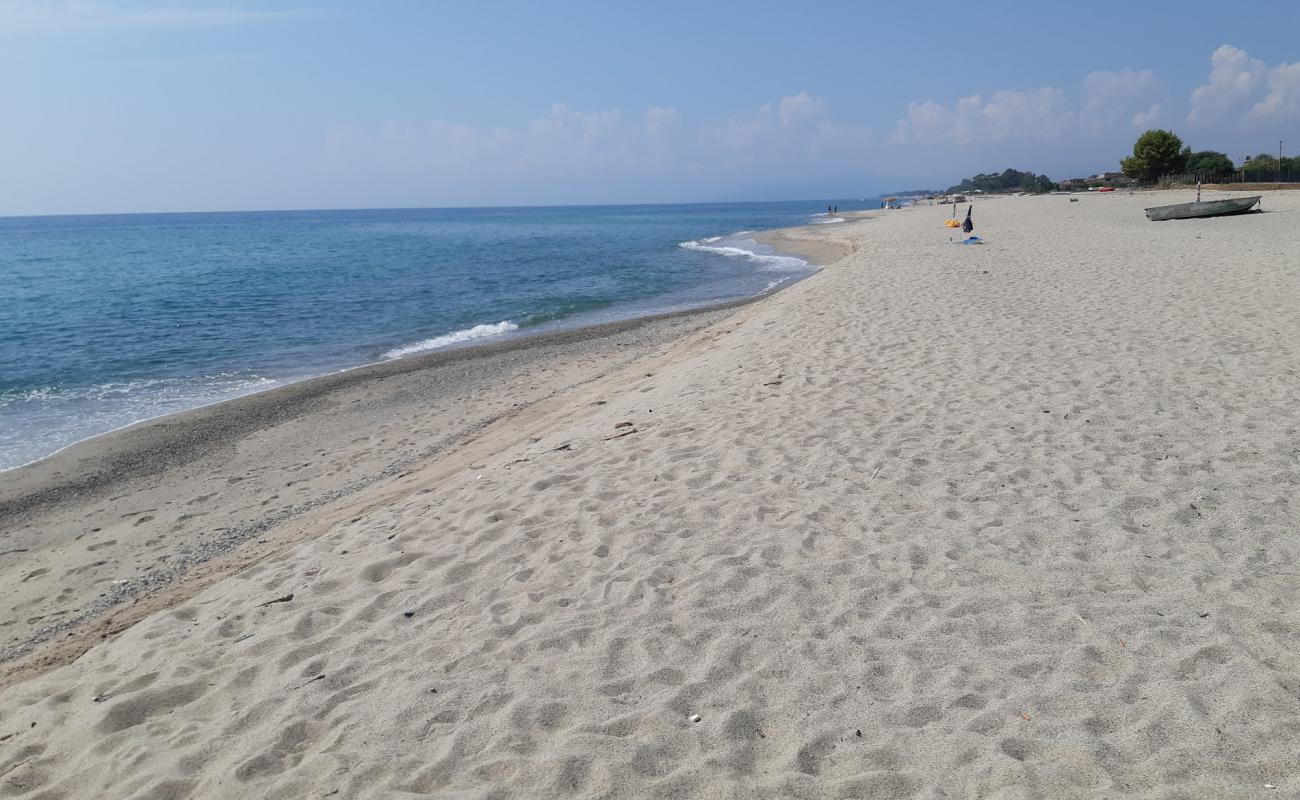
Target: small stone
694 718
408 614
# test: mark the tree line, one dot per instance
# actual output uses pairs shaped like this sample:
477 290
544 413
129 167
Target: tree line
1159 153
1008 180
1156 154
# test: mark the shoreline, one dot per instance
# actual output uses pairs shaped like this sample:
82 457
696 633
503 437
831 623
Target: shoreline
84 480
936 520
266 406
142 460
817 257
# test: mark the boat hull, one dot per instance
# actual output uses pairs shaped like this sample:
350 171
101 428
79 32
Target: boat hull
1208 208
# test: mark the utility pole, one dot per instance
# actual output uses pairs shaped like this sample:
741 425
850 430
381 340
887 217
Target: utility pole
1279 160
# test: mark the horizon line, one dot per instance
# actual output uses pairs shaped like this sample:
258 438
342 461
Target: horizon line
418 208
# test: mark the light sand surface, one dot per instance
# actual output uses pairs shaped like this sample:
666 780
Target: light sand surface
1001 521
112 529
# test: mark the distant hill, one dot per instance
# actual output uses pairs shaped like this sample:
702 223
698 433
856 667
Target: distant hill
912 193
1009 180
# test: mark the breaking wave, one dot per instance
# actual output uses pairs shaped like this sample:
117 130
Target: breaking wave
455 337
768 260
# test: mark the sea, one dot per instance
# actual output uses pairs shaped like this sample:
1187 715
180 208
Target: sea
106 321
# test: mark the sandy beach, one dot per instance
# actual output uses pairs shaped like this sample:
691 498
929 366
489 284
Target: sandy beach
103 533
940 521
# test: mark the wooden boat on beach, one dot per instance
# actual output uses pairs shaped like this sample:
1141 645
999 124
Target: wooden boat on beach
1207 208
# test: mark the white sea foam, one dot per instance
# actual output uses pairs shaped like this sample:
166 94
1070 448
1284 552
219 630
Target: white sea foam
722 250
455 337
826 221
38 422
768 260
154 389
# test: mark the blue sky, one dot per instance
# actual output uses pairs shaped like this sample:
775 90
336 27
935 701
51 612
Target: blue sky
162 105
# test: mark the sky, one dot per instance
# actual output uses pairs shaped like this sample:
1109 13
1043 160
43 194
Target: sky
174 105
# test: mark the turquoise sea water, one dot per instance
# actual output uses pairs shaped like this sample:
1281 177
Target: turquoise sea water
110 320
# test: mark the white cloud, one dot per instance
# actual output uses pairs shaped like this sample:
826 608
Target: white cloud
1006 115
1283 98
736 133
1243 88
1036 115
928 121
1145 119
660 120
60 16
1112 99
799 105
1235 78
1113 103
792 126
570 155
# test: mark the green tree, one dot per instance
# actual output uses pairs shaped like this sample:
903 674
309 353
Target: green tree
1006 181
1263 166
1156 153
1208 162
